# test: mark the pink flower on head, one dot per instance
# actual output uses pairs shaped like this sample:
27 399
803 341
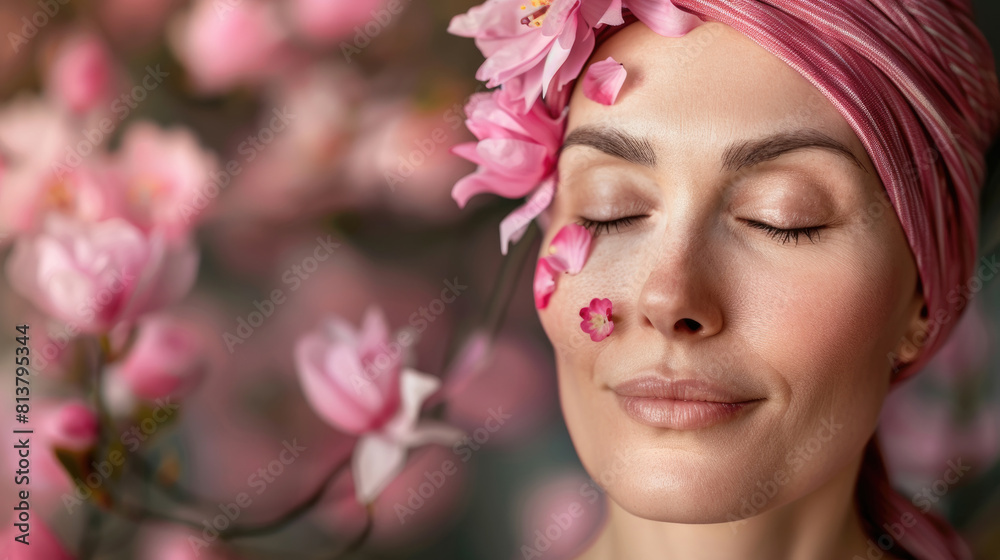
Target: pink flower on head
545 283
97 275
603 81
534 45
167 359
597 319
515 151
516 155
356 381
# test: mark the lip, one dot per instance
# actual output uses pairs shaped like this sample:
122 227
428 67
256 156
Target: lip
680 404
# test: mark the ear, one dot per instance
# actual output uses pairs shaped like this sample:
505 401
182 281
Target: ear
916 332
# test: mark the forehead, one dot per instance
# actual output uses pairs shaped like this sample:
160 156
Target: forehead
713 84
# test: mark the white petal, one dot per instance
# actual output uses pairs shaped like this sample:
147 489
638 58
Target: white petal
376 462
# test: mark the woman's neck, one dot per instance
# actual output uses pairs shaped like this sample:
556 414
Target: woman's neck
821 525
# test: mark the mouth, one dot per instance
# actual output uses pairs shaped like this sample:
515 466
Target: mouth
681 404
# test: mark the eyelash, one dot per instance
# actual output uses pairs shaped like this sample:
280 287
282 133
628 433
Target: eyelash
783 236
595 226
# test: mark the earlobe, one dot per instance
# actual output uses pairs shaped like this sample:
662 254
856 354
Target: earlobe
916 334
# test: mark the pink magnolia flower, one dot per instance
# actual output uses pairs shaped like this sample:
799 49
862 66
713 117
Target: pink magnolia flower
534 45
96 275
162 171
516 154
569 249
83 74
515 151
167 359
597 319
225 44
604 80
44 545
356 382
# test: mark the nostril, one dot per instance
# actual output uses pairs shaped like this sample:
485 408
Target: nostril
689 324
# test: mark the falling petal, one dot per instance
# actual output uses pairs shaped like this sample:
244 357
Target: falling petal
569 248
603 81
545 283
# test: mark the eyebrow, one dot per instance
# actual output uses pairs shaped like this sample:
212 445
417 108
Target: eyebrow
748 153
738 155
615 142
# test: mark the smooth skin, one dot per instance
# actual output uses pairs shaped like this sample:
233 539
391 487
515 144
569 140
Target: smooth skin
712 141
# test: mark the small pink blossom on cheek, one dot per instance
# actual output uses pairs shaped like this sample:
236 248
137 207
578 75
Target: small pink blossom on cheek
545 283
597 319
569 248
603 81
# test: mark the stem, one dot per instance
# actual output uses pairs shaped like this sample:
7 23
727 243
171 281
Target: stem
291 515
91 539
510 272
359 540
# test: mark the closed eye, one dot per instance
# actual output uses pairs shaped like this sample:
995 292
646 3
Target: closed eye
786 235
596 226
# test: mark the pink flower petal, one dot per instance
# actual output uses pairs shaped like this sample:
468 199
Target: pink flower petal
376 461
603 81
516 223
663 17
597 319
596 13
569 248
545 283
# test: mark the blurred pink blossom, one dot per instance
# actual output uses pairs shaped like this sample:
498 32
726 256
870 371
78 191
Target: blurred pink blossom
48 168
226 44
73 427
328 21
161 541
355 380
135 23
162 172
83 75
166 359
96 275
560 516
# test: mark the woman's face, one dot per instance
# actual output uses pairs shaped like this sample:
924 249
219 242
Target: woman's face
756 270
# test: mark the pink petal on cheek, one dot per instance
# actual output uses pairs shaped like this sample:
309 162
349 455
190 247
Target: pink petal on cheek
569 248
603 81
545 283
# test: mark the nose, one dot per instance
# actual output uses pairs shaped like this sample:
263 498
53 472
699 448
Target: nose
677 297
